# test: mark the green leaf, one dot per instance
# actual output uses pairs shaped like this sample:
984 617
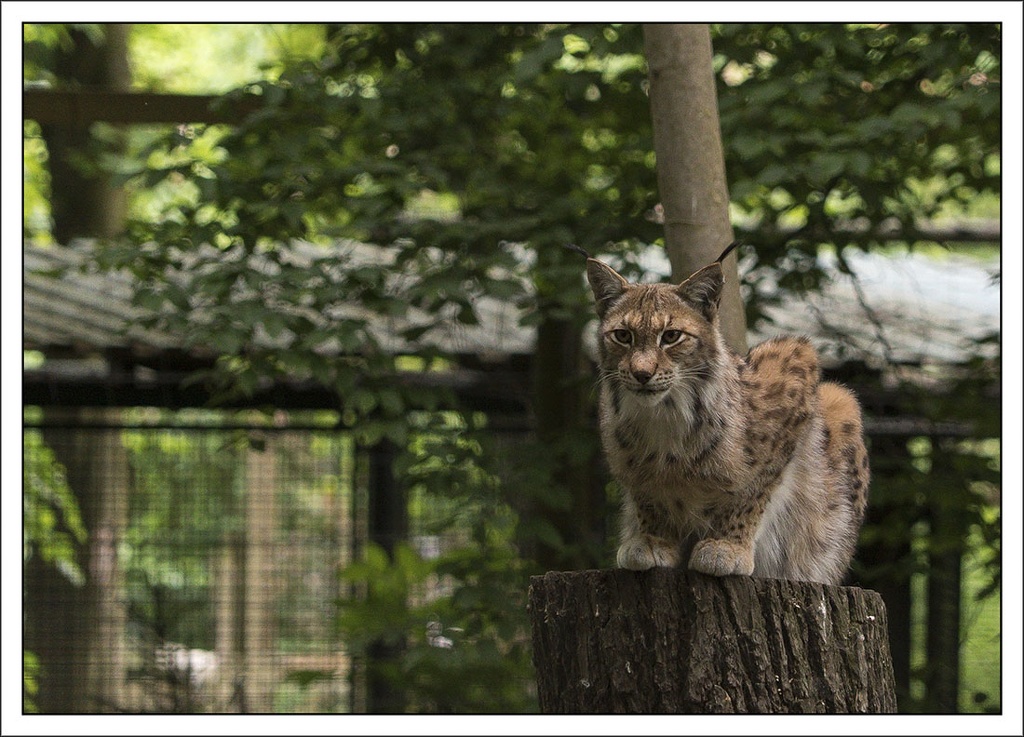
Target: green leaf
364 401
391 402
825 166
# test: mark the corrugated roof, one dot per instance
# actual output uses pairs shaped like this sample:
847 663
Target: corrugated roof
68 307
80 310
908 309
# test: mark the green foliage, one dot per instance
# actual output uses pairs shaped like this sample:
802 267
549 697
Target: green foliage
981 689
349 146
53 527
455 622
30 682
35 202
188 509
469 155
391 119
222 55
876 126
857 119
44 43
460 651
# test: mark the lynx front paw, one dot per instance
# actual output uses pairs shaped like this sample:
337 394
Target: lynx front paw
642 553
722 558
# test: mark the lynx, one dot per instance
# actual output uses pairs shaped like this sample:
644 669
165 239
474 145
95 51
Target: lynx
732 465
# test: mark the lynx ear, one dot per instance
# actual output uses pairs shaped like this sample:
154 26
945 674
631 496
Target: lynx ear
703 289
606 284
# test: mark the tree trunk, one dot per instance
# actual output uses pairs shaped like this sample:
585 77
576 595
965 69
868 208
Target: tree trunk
261 586
691 166
227 565
673 641
83 203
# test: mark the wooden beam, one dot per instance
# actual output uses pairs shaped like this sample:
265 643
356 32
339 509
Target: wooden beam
499 393
80 108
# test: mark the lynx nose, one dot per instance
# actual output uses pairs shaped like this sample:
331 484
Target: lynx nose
642 376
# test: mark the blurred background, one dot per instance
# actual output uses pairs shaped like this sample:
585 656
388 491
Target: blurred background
308 374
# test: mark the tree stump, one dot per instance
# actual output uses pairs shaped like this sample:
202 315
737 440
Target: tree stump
675 641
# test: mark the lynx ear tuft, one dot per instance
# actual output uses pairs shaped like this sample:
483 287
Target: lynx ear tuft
606 284
727 251
577 249
703 289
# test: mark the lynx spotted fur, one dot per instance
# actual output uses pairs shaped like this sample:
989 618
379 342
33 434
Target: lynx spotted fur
728 464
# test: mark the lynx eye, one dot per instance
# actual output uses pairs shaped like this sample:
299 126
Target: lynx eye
622 336
671 337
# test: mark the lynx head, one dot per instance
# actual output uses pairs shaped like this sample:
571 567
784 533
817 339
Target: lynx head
654 337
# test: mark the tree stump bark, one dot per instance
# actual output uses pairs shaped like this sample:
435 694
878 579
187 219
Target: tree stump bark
675 641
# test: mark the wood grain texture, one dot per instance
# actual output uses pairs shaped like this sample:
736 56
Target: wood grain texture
673 641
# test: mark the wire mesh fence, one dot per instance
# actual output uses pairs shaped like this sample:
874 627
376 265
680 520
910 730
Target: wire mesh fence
189 562
210 572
